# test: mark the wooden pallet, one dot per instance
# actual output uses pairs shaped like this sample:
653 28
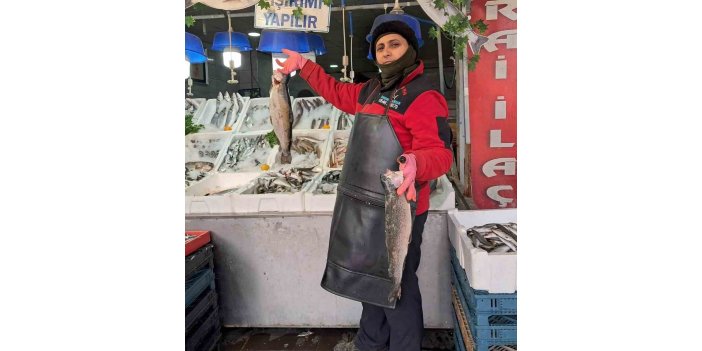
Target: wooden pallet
462 321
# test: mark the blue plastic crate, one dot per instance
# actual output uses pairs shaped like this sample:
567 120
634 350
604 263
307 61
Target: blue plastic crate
480 300
499 329
197 284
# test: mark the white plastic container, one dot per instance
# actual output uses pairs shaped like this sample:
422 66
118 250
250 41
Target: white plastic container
322 135
321 115
268 158
202 198
205 147
204 114
318 202
246 201
494 272
444 197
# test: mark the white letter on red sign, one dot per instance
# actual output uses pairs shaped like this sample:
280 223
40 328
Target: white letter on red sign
496 139
507 165
507 11
493 193
510 38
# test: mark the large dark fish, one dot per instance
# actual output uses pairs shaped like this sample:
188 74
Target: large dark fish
281 114
398 229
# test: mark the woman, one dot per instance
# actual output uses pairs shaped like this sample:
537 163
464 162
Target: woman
397 114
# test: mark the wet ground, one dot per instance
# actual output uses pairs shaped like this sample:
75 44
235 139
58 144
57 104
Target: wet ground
326 339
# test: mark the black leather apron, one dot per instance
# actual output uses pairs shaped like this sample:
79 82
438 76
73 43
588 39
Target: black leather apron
357 261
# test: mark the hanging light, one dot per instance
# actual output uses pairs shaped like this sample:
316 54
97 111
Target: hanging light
239 43
316 44
194 53
274 41
231 44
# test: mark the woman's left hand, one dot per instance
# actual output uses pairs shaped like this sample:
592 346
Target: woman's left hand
409 172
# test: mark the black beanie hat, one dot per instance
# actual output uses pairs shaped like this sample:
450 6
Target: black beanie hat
398 27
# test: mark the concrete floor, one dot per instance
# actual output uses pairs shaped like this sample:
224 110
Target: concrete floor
326 339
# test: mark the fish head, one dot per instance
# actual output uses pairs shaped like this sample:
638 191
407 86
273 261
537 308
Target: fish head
391 180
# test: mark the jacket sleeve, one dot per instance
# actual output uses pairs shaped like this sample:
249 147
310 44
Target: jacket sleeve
342 95
427 121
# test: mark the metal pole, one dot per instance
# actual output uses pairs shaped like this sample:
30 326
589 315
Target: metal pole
441 60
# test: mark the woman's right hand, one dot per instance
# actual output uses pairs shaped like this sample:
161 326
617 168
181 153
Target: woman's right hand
294 62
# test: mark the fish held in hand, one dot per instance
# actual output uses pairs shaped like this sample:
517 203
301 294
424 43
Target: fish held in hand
281 114
398 229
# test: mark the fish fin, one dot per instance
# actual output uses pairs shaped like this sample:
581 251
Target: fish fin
285 159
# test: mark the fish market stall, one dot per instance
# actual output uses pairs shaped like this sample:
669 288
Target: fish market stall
271 221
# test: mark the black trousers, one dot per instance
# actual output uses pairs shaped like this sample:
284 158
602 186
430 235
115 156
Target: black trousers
401 328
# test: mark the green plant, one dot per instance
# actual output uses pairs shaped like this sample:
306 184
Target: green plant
190 127
265 5
456 27
272 139
297 12
189 21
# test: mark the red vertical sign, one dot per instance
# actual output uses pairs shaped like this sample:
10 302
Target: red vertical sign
492 92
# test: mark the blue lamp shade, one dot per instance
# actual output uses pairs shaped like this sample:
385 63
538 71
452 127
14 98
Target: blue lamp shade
240 42
274 41
407 19
194 51
316 44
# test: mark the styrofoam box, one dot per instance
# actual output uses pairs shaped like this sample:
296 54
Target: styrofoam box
335 134
204 114
322 135
318 202
305 121
338 116
220 160
494 272
198 200
216 141
245 201
444 197
241 126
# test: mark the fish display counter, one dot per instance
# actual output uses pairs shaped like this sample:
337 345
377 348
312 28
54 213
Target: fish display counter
271 221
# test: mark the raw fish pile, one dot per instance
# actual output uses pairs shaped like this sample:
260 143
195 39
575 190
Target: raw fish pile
257 117
226 112
338 152
306 152
246 154
312 113
494 237
191 105
203 148
196 171
284 181
345 121
328 183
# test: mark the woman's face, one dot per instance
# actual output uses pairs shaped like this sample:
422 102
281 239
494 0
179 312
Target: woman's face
390 48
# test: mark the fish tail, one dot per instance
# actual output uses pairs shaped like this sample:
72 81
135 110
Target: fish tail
394 293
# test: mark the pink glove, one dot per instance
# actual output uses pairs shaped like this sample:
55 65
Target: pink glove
409 172
294 62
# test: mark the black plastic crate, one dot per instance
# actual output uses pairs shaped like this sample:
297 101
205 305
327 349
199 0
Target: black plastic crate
205 302
197 284
198 259
199 335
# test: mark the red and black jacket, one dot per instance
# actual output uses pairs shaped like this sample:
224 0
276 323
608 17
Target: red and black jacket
418 114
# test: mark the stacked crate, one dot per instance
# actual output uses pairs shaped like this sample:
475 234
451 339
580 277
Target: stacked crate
202 324
483 321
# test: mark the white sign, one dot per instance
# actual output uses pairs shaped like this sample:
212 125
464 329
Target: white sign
315 16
